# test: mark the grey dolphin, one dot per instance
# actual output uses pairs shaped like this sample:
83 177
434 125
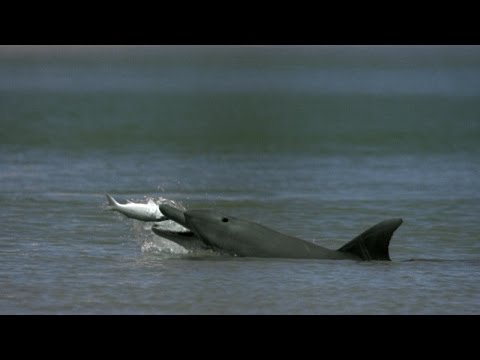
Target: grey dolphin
244 238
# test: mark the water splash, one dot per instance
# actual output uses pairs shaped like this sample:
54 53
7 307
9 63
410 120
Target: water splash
162 246
150 243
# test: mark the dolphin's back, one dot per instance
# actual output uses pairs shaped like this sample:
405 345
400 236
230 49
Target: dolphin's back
260 241
372 244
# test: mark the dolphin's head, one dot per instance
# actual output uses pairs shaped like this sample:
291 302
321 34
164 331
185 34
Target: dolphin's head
211 227
218 230
215 228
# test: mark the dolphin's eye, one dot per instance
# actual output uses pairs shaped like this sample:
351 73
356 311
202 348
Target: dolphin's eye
224 219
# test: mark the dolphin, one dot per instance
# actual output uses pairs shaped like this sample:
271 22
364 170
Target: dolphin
143 212
228 234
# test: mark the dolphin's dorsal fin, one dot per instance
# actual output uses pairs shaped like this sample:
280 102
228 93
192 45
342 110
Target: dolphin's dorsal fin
129 202
373 243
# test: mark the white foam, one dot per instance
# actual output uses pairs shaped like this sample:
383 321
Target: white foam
162 246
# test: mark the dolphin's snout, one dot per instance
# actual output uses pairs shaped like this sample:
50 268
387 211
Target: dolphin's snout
174 214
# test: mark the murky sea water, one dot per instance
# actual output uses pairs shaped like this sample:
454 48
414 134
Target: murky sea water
316 142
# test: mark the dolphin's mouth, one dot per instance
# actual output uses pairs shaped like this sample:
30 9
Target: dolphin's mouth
164 232
176 230
174 214
189 219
